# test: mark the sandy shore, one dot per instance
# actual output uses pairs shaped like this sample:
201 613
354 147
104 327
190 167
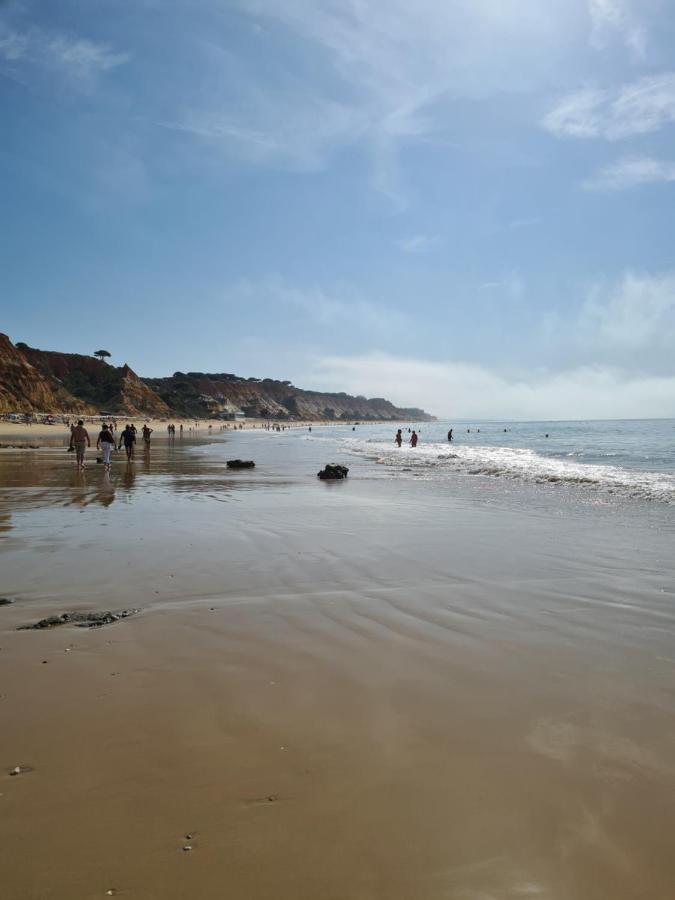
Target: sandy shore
363 690
17 435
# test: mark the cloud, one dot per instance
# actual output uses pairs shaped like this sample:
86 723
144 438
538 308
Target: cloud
419 243
643 106
12 45
365 75
613 18
338 309
513 284
635 313
631 172
78 59
465 390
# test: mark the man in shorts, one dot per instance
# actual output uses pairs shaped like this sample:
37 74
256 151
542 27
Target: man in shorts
79 438
128 438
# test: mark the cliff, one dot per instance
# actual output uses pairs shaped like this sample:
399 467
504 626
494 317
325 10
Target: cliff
97 385
24 388
47 381
200 394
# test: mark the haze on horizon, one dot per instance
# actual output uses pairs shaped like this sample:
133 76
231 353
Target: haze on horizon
465 206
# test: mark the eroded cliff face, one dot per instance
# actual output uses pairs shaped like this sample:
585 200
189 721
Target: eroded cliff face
24 388
33 380
200 394
100 386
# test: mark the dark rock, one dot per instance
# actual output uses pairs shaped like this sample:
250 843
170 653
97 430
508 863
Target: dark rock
333 472
5 601
240 464
81 619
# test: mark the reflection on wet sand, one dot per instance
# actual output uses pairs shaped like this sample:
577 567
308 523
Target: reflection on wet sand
383 690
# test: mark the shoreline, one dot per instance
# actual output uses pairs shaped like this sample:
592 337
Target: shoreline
366 689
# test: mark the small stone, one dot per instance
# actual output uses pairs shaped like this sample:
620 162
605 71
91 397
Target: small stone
187 848
44 662
16 770
272 798
111 892
188 837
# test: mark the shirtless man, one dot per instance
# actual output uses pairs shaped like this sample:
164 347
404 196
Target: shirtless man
79 438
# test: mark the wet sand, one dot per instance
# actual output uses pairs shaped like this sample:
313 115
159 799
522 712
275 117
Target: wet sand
371 689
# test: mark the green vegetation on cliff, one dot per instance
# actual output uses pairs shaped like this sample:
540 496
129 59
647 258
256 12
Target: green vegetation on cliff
48 381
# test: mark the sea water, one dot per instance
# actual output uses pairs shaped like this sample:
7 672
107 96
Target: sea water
630 458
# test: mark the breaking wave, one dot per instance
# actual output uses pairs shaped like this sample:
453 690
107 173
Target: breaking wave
518 464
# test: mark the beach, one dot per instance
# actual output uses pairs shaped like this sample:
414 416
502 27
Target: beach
387 687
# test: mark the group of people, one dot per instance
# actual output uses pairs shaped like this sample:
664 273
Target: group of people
106 441
398 440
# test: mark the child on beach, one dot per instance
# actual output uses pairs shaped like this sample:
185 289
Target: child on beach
413 439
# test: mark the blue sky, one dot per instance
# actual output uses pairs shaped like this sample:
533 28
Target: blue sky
465 205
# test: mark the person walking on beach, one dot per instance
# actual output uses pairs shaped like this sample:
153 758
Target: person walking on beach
413 439
106 444
128 438
450 435
79 438
398 440
146 436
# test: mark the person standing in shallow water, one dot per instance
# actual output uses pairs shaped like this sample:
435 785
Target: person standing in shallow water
413 439
105 444
128 438
450 435
147 431
398 440
80 439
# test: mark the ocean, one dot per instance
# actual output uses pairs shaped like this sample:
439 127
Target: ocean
628 458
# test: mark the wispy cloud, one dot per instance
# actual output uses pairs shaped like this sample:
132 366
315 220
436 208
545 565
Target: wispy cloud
614 18
643 106
631 172
340 308
512 284
75 58
419 243
383 77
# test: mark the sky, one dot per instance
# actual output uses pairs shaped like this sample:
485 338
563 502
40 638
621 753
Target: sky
463 205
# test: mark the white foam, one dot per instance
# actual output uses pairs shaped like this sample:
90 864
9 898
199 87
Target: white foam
514 463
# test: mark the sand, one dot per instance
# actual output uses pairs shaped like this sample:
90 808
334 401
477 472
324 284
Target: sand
364 690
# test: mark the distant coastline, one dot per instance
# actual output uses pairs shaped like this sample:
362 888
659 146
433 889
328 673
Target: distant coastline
44 382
